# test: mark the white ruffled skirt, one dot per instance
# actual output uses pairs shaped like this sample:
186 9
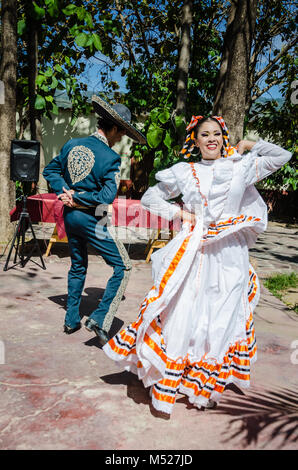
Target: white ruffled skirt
195 332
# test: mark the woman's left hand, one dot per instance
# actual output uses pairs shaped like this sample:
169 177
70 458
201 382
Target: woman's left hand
244 145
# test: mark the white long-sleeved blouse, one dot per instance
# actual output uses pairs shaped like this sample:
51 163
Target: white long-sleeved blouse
217 189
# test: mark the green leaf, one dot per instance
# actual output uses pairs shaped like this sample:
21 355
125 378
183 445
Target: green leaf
58 68
39 12
52 7
67 84
154 114
80 11
69 10
49 98
81 39
153 126
164 116
55 109
54 82
40 79
74 30
88 19
154 137
97 42
48 72
168 140
116 31
73 121
21 27
178 121
90 41
108 24
156 163
40 102
180 124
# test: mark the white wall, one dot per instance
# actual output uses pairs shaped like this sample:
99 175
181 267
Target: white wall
58 131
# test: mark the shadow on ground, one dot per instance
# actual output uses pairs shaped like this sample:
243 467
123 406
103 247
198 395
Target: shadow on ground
274 411
135 390
286 259
136 251
89 301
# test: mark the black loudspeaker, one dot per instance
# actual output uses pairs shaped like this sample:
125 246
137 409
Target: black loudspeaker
24 160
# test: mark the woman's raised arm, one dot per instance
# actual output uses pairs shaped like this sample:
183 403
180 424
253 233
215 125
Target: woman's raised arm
263 159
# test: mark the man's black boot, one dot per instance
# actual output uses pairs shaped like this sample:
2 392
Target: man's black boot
102 335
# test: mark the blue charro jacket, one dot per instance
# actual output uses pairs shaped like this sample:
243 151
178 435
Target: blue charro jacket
89 167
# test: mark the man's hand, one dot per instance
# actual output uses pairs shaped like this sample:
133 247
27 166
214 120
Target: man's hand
66 198
244 145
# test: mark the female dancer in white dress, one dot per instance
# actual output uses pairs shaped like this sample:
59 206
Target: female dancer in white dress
194 333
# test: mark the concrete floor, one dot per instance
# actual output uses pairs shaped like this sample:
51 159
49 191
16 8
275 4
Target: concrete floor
62 392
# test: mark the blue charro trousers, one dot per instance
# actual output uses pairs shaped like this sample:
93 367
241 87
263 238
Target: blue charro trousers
83 227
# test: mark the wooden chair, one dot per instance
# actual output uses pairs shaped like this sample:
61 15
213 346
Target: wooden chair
157 242
54 238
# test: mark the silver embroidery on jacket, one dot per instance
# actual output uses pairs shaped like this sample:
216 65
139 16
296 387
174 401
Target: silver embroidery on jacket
117 179
80 163
123 284
101 137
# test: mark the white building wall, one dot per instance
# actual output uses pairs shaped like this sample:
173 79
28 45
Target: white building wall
58 131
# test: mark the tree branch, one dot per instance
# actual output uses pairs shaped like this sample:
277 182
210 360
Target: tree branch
141 25
127 36
276 59
273 32
261 92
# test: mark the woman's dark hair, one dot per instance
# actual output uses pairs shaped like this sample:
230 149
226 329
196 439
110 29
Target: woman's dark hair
209 118
106 125
189 147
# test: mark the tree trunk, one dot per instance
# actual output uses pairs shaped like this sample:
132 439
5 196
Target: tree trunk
42 186
139 175
34 115
231 92
184 57
32 68
8 76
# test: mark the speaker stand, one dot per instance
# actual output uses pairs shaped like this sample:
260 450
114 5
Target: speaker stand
23 224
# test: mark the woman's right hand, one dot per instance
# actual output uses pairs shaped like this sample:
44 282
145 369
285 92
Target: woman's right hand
187 217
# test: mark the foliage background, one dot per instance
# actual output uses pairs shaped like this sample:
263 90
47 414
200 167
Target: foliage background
143 39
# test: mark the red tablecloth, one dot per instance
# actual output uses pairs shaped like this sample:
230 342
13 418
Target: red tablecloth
126 213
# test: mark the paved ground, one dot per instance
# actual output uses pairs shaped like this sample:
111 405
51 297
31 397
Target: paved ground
62 392
276 250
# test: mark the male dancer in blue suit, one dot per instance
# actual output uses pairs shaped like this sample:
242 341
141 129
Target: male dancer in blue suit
84 176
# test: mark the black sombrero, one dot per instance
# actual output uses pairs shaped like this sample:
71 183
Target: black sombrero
120 115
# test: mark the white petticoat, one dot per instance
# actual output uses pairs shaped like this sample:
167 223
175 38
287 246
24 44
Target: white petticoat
209 311
194 333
